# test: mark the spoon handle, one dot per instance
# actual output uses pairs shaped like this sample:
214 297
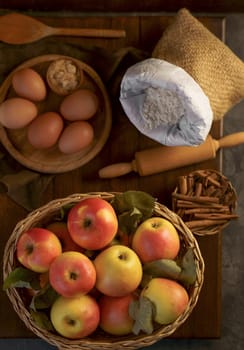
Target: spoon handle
89 32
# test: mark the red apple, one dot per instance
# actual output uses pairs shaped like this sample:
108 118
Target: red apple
75 318
156 238
37 248
118 270
92 223
114 314
169 298
61 231
72 273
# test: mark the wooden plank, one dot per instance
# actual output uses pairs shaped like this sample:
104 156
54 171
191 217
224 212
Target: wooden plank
143 32
105 6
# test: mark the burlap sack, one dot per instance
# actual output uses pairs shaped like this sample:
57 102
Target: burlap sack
220 73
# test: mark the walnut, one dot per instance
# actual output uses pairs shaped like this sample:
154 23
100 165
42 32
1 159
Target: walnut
64 76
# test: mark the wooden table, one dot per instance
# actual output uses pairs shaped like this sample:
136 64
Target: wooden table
105 6
143 32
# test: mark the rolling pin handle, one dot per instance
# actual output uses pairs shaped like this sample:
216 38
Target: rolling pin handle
231 140
116 170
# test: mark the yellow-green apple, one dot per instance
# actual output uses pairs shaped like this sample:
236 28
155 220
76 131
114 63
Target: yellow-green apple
92 223
118 270
37 248
72 273
76 317
114 314
169 298
61 231
156 238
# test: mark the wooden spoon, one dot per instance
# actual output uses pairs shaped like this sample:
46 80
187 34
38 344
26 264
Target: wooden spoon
16 28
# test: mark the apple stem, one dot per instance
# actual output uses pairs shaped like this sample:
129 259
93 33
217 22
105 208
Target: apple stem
87 222
29 249
122 256
70 321
73 276
155 224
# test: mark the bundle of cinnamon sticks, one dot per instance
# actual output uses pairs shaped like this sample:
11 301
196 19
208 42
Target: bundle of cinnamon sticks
205 200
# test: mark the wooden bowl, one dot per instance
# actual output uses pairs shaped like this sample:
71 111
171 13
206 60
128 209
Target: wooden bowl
51 160
64 76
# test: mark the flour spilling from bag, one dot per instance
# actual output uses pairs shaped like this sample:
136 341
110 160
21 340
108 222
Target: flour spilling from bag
165 103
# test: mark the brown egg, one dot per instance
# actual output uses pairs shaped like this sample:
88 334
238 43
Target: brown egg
29 84
75 137
16 112
80 105
45 130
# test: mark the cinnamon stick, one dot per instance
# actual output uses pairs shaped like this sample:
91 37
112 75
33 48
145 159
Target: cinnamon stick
198 190
215 216
205 210
210 190
188 204
190 182
208 200
183 184
202 199
204 223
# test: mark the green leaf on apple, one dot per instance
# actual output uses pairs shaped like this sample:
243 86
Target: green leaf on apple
188 273
146 278
183 270
132 207
129 220
44 298
167 268
21 277
42 320
128 200
64 210
142 312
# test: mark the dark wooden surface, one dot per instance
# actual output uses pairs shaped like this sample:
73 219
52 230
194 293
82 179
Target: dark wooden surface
125 5
142 32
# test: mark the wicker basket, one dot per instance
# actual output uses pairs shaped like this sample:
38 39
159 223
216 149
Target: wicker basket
99 340
205 200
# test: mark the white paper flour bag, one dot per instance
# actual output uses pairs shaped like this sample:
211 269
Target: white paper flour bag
165 103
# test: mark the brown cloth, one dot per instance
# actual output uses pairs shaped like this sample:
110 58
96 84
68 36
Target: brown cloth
220 73
22 185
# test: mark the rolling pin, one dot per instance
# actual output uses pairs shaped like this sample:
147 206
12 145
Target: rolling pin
159 159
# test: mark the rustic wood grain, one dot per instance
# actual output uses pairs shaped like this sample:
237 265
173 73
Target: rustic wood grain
126 5
124 140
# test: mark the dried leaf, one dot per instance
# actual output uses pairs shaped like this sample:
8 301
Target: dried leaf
129 220
132 207
22 278
125 201
142 312
188 273
42 320
44 298
183 270
163 268
64 210
146 278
